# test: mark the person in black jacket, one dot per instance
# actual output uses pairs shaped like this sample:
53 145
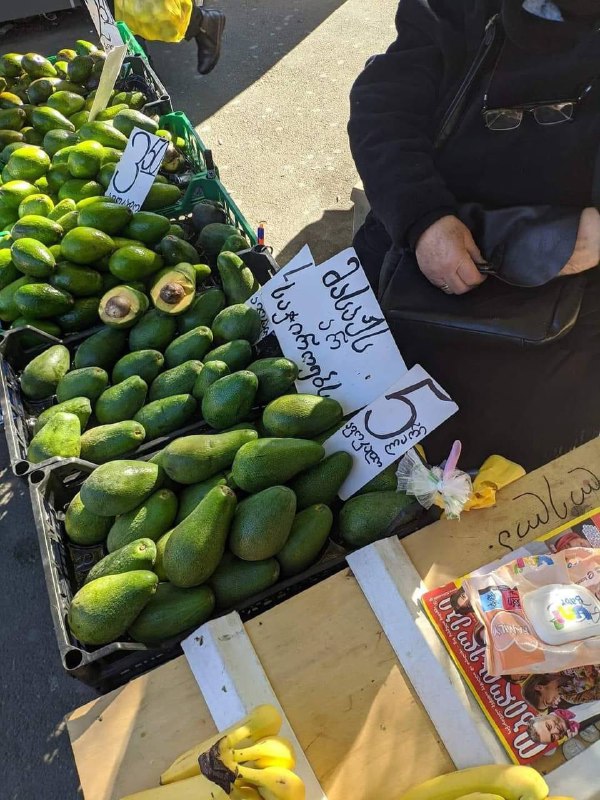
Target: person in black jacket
529 135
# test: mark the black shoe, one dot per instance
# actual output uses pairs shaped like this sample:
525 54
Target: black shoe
206 27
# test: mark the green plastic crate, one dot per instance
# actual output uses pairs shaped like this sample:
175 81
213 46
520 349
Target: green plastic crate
204 187
179 125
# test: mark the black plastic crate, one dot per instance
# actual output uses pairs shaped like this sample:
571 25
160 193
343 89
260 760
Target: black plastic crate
138 76
19 413
66 565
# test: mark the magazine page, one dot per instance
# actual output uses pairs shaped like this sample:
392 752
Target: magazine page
553 716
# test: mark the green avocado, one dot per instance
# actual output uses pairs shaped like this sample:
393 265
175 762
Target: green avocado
32 258
197 544
276 376
28 163
172 611
42 374
102 349
236 354
76 279
107 442
145 364
102 611
193 459
83 527
82 314
167 415
176 381
204 308
104 133
60 436
120 486
194 344
140 554
175 250
262 524
238 321
122 401
86 382
308 536
67 103
84 245
85 159
229 400
148 228
38 204
212 237
237 279
154 331
161 195
46 119
367 517
129 118
211 372
151 519
133 263
110 218
270 462
80 406
301 415
42 300
36 66
235 581
321 483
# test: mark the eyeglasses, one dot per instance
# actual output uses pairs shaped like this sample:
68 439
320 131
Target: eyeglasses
546 112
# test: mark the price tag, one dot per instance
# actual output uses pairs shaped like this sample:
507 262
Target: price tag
110 73
386 429
105 24
327 319
137 169
302 260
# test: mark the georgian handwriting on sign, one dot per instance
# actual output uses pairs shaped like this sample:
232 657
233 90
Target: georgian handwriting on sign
105 24
302 260
327 319
137 169
548 509
386 429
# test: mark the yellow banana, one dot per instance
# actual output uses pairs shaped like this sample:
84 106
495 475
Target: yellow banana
273 783
196 788
262 721
508 781
272 751
480 796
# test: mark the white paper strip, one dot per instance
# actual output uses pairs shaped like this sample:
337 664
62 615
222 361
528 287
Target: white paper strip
233 681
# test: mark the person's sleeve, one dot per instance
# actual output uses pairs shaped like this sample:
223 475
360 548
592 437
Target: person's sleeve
393 107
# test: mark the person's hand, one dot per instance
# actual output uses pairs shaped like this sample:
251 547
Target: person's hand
446 254
586 254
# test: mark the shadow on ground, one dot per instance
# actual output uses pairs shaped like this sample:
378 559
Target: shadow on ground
322 236
257 36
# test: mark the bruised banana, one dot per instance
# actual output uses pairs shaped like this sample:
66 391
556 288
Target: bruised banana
273 783
196 788
506 781
262 721
272 751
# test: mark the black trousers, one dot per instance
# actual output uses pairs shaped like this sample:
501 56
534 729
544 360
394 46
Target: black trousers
530 405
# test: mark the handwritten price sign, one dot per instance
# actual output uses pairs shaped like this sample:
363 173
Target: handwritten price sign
105 24
329 322
137 169
386 429
302 260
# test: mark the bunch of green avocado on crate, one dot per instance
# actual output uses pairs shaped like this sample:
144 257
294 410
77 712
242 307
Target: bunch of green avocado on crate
52 156
150 371
215 518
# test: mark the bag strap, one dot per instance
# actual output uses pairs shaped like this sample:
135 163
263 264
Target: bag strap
455 108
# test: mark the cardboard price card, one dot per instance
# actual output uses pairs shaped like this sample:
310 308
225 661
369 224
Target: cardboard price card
302 260
387 428
110 73
327 320
105 24
137 169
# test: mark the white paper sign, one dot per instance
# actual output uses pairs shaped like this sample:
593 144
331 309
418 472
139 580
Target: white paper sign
327 320
104 22
302 260
110 73
386 429
137 169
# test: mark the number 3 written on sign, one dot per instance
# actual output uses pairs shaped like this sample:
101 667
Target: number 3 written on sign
401 395
146 158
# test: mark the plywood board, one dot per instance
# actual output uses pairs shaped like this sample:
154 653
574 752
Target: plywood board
364 732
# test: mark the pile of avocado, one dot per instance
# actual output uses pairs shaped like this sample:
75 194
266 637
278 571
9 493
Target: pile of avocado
215 518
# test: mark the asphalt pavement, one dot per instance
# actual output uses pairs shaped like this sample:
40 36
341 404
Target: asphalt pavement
274 112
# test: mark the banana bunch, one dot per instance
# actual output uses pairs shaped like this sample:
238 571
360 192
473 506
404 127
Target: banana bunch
248 761
494 782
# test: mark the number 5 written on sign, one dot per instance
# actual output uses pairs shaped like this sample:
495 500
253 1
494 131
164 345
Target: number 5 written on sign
401 395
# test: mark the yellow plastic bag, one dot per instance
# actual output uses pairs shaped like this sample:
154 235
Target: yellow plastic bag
155 20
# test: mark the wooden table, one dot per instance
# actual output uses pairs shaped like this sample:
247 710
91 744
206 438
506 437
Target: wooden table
364 732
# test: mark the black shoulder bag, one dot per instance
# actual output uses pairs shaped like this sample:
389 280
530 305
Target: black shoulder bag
497 312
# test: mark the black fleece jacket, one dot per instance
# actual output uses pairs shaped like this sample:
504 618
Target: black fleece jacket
400 98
